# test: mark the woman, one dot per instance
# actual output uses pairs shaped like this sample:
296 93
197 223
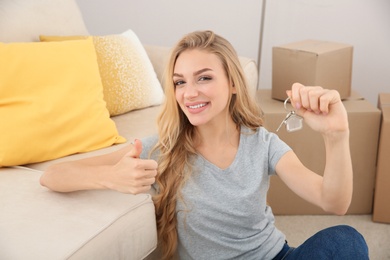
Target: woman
212 160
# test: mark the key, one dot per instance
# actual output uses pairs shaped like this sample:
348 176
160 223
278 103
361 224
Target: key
285 120
292 121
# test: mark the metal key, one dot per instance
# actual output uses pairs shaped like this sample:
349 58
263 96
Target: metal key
292 121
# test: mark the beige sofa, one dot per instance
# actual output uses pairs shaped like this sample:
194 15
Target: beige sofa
36 223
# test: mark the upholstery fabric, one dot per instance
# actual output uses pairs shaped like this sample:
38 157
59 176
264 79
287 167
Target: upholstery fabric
49 108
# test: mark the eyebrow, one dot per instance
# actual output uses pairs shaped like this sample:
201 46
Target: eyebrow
195 73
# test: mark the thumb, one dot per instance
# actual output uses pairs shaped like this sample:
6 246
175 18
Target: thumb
135 152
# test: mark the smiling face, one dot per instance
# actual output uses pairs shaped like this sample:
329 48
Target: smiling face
202 88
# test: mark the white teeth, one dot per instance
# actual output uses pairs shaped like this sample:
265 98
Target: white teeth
197 106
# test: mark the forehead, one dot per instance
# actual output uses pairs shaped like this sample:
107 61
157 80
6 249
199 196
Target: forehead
197 59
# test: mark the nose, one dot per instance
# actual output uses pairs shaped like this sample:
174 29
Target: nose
191 91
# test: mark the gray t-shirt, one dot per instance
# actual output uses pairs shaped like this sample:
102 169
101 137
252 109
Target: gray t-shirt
224 214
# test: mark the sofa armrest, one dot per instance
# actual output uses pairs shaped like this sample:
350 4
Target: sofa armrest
37 223
159 55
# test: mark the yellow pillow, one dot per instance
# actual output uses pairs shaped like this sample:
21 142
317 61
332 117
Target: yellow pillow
129 80
51 102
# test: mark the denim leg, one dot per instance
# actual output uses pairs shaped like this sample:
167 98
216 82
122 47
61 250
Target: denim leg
286 250
338 242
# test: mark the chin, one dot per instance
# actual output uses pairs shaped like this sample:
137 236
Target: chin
196 122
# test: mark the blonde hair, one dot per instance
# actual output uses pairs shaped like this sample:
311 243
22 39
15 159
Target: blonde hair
176 135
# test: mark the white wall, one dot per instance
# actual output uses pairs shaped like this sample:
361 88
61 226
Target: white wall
164 22
365 24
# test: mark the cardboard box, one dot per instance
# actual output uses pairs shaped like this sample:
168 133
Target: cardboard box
312 63
381 211
364 122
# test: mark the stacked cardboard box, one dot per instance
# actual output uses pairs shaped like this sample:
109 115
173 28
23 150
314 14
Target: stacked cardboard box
364 122
381 211
312 63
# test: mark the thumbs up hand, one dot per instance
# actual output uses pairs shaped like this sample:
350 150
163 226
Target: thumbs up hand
132 174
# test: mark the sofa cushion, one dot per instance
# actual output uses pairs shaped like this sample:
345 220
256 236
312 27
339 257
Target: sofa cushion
36 223
128 77
51 102
25 20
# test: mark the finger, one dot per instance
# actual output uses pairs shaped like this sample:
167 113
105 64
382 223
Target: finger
148 181
295 95
324 104
289 93
304 96
141 175
145 182
143 164
327 99
152 173
147 174
147 164
136 150
314 95
141 181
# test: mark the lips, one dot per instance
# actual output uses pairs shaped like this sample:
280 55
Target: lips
197 108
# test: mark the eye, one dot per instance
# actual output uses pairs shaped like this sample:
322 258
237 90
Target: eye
204 78
178 82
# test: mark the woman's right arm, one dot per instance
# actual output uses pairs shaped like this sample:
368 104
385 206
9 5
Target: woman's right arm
121 170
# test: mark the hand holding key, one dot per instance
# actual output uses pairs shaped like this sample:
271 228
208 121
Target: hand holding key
321 108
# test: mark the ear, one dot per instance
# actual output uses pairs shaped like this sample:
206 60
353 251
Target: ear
234 90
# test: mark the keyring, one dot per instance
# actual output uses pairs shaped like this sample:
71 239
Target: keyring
285 104
292 121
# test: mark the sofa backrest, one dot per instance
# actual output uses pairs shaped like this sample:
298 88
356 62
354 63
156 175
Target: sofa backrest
25 20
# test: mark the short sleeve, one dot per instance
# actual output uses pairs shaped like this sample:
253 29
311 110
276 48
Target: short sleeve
277 148
147 145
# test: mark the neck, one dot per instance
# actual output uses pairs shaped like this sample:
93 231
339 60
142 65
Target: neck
215 135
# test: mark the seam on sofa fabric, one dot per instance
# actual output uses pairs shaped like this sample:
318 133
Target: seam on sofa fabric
26 168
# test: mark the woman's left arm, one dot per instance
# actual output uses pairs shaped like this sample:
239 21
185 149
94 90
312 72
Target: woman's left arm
324 112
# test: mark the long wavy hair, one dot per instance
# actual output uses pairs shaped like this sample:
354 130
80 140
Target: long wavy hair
177 136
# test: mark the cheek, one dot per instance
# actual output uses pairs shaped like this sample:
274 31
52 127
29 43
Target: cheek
177 95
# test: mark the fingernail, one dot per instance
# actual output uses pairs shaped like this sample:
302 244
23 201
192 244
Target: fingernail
297 105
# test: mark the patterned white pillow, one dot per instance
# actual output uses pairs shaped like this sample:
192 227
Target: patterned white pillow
128 77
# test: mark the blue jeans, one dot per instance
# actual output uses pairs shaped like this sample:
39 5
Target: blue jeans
338 242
